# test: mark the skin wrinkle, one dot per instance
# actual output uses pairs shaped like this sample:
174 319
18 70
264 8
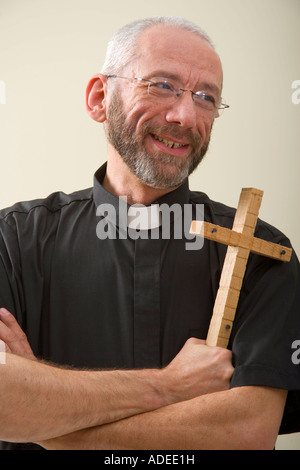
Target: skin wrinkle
132 149
202 417
149 167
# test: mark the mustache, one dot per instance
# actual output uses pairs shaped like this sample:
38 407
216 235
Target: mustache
173 131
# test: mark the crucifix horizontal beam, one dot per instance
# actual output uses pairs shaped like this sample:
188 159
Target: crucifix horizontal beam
226 236
241 242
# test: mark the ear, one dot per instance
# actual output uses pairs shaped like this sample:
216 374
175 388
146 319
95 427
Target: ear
96 97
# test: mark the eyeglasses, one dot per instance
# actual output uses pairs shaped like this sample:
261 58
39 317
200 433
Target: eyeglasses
164 90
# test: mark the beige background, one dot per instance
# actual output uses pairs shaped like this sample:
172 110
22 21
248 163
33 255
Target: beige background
50 48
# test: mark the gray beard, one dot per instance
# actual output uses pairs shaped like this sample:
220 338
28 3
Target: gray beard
153 170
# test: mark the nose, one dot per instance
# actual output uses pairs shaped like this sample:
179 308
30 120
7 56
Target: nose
183 111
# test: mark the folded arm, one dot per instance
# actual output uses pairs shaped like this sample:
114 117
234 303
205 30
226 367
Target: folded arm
40 401
240 418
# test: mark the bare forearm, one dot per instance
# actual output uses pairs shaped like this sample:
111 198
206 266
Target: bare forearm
223 420
40 402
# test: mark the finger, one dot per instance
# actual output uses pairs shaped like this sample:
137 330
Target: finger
193 340
8 319
10 329
13 335
13 330
5 332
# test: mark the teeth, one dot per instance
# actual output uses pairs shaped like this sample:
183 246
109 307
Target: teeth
169 143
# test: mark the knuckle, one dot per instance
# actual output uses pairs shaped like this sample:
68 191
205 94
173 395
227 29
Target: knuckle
10 337
14 337
21 336
228 372
10 319
225 354
190 341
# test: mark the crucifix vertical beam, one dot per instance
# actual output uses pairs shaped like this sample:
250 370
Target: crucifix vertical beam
233 270
241 242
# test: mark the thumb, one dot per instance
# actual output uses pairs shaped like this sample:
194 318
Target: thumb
197 340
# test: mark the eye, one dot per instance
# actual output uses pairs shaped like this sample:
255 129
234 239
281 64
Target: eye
162 86
203 96
203 99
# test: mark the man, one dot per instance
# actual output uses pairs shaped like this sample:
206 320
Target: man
89 295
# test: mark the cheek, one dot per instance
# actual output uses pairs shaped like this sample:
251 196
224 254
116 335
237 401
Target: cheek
141 114
204 128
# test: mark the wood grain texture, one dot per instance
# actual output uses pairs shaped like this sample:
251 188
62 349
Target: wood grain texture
241 242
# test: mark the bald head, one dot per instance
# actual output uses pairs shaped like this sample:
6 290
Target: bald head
122 48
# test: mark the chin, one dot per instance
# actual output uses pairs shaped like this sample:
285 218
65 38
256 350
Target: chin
164 179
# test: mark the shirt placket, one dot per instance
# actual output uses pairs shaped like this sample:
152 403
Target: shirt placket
146 334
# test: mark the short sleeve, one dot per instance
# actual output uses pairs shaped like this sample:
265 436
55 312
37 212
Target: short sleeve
266 326
11 290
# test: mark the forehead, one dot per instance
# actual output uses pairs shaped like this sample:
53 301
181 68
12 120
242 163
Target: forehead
179 52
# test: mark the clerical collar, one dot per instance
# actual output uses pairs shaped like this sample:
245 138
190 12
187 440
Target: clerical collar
149 216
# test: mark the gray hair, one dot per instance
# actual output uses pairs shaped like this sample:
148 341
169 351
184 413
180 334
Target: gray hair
122 48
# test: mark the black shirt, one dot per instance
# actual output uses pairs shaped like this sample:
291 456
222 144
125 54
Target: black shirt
132 302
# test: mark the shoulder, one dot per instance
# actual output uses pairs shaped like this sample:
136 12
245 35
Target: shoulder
52 204
223 215
214 210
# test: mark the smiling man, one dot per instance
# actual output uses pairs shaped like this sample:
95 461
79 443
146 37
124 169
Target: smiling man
159 116
128 303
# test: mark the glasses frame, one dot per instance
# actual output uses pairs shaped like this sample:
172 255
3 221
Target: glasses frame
178 92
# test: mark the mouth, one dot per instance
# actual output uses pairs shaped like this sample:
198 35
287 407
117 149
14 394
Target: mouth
169 143
170 146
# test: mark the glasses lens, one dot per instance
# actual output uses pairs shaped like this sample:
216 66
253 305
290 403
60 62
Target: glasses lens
162 89
205 101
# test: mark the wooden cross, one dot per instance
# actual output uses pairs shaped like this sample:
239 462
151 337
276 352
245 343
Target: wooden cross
241 242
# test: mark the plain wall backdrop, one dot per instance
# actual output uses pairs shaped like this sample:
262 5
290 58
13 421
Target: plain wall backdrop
50 48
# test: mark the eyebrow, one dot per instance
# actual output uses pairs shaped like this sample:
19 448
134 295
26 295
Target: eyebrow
171 76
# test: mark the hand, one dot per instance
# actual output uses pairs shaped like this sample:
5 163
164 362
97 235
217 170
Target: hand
198 369
13 336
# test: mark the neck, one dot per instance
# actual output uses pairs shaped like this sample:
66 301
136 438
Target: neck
120 181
